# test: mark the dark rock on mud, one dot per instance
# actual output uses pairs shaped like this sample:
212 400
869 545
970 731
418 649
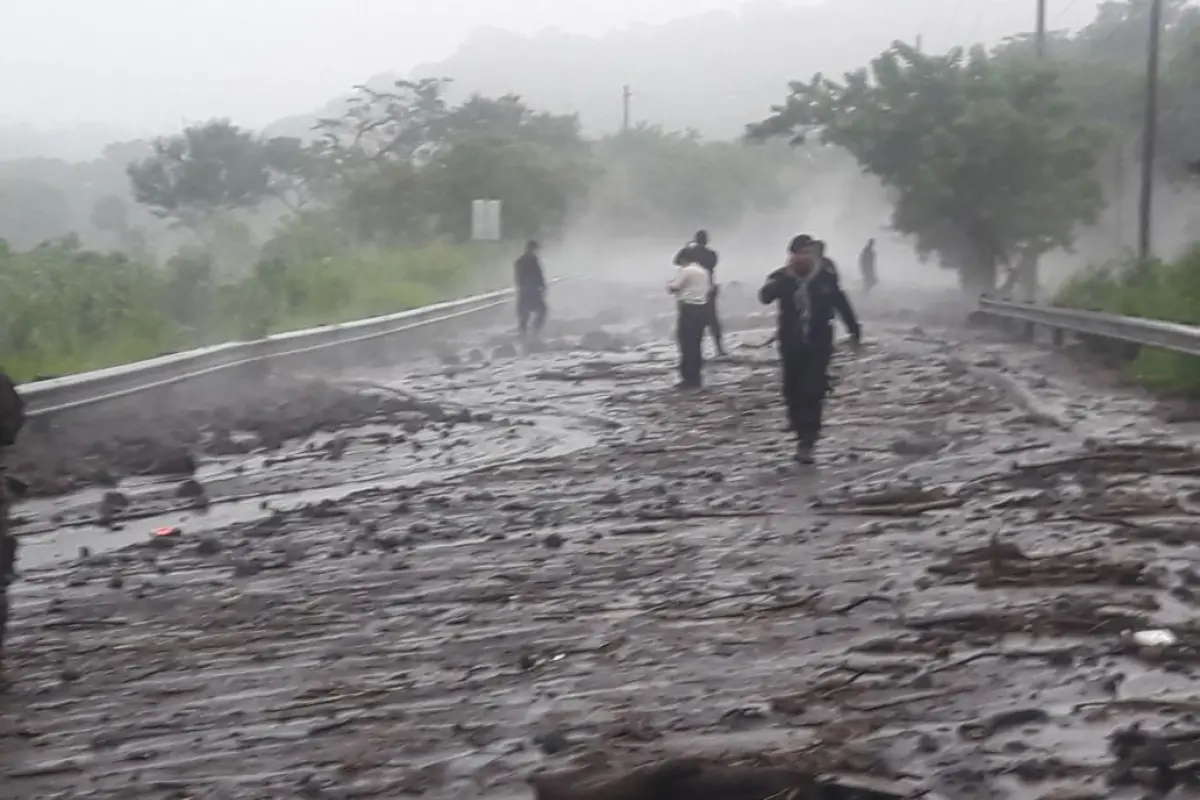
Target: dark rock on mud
189 489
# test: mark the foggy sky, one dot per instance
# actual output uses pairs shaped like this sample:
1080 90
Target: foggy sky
154 65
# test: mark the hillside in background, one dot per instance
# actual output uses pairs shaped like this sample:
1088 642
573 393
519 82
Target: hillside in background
712 72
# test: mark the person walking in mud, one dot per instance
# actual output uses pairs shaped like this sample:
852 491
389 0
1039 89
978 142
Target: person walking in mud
531 291
698 252
12 419
866 266
691 286
808 296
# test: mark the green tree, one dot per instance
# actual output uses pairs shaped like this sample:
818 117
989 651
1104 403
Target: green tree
535 190
387 205
984 157
1102 69
509 117
207 169
406 123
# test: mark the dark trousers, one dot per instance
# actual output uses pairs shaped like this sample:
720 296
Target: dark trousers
713 321
8 562
805 386
689 332
531 307
869 279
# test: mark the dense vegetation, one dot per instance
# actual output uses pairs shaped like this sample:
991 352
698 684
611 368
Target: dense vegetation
1167 291
995 158
369 215
992 159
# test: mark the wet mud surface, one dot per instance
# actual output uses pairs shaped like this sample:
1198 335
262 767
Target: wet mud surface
569 566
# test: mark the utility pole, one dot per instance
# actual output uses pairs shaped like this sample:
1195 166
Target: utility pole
1150 131
1027 263
625 96
1040 40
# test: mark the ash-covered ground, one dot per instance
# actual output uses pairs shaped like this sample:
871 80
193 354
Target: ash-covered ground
437 579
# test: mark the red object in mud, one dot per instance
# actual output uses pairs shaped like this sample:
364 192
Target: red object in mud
168 531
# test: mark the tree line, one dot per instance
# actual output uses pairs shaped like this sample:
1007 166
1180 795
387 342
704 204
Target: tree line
994 158
991 157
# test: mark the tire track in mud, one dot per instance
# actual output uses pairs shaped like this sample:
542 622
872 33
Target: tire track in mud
953 609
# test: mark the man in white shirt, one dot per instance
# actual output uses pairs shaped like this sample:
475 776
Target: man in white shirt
692 287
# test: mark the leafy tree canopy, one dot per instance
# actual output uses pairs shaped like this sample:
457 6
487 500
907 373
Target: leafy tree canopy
414 121
984 156
215 167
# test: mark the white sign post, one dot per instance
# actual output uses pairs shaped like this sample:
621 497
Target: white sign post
485 220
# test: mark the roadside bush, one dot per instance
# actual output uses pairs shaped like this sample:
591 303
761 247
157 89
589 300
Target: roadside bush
1151 289
65 309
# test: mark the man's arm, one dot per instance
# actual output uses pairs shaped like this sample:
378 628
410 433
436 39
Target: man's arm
772 290
539 277
675 282
841 304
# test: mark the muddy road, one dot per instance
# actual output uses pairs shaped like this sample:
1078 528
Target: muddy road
504 564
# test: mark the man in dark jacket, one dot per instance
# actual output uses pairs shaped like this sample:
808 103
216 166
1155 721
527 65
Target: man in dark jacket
531 290
698 252
808 297
866 265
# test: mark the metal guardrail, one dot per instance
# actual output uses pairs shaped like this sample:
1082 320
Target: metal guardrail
1134 330
69 392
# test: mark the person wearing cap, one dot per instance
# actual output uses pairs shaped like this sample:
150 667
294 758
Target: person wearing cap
808 296
531 290
701 254
690 285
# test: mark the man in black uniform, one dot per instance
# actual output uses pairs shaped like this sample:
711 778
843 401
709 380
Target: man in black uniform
698 252
12 418
531 290
809 296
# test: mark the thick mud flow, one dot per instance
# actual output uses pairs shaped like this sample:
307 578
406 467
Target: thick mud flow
507 564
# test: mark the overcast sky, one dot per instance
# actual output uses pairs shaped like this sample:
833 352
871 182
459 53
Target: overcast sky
155 63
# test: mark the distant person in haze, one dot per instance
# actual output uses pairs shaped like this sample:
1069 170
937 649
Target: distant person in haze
704 256
808 296
691 286
866 265
531 291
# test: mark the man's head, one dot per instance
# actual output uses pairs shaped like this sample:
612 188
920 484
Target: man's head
871 243
531 247
701 238
802 252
